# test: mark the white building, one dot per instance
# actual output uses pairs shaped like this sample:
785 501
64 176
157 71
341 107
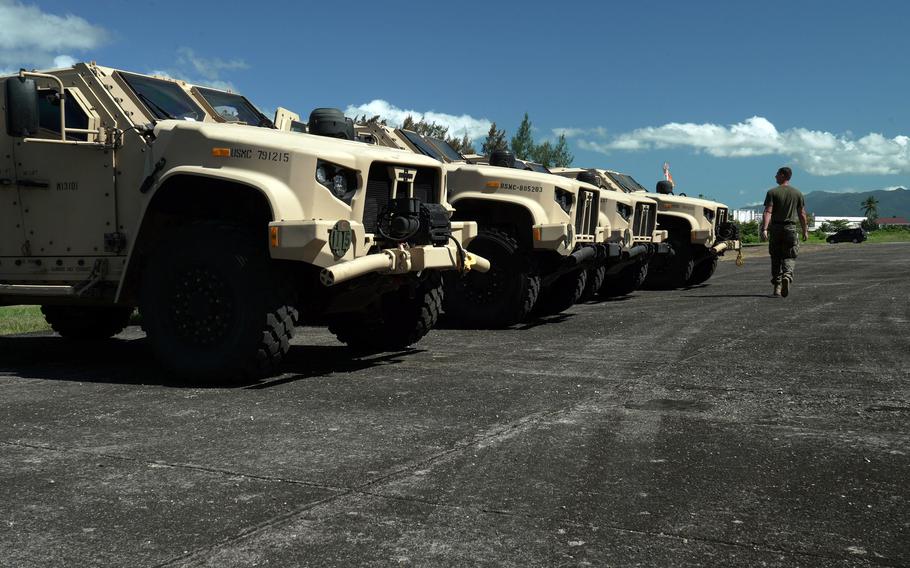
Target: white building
851 221
746 215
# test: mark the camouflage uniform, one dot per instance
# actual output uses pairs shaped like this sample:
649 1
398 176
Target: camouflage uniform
783 233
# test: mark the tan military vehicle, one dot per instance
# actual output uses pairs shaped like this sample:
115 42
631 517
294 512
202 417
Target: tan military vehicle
633 222
699 231
540 232
122 190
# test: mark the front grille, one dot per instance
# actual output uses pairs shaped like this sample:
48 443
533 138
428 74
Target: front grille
377 199
586 212
379 190
645 220
721 216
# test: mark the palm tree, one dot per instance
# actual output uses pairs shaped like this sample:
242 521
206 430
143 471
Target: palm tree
870 207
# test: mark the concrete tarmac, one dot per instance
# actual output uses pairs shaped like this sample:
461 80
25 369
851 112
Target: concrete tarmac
711 426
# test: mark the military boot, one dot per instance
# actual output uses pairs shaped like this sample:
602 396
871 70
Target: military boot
785 287
777 290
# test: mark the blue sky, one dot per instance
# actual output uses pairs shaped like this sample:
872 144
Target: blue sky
724 91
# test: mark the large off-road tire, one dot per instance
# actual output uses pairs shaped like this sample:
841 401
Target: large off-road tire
400 319
626 280
595 280
561 294
703 271
677 271
214 307
503 296
87 323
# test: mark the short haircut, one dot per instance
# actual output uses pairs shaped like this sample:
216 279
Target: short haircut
785 173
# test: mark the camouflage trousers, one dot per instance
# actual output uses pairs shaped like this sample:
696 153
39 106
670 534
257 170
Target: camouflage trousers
783 246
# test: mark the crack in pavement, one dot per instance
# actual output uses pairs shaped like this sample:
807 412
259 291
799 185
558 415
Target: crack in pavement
488 437
495 433
757 546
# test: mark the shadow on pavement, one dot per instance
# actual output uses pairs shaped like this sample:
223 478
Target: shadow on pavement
531 323
304 362
545 320
728 296
130 362
608 299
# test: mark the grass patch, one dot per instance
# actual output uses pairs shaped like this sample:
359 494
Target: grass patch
889 236
21 319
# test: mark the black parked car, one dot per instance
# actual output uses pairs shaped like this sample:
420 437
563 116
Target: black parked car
848 236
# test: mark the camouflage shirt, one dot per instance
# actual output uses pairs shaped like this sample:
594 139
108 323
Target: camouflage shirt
786 202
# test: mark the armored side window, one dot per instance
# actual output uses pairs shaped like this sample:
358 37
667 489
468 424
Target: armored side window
232 107
49 113
425 147
446 149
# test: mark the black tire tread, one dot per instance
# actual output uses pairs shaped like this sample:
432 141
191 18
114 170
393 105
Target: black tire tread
625 281
677 272
399 322
562 294
459 311
596 277
261 358
703 271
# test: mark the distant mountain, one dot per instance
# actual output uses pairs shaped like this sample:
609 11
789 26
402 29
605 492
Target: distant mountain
891 203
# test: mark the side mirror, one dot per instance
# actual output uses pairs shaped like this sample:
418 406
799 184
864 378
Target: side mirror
21 107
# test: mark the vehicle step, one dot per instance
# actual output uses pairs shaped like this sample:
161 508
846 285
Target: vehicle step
36 290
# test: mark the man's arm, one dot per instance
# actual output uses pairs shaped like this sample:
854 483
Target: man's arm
766 220
804 221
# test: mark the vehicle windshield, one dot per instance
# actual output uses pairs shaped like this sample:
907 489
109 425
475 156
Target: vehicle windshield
626 183
164 99
234 108
422 144
450 153
537 168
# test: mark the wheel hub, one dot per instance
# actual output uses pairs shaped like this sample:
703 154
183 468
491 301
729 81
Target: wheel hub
485 288
202 308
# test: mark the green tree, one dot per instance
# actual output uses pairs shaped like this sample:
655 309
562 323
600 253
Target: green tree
837 225
523 142
542 154
376 119
496 140
748 231
870 207
562 158
463 145
546 153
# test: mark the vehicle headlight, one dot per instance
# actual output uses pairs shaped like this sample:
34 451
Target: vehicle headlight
341 181
564 199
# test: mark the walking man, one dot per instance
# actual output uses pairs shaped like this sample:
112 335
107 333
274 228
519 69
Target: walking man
785 206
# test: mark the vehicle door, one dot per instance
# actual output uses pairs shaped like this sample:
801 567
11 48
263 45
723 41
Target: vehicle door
12 234
66 179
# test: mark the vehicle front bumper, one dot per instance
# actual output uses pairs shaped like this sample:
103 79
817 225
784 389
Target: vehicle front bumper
308 241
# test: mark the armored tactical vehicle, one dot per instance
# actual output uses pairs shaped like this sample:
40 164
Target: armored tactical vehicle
540 232
121 190
633 222
699 231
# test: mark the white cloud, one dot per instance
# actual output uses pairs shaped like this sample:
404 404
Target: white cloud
208 68
458 125
576 132
204 71
65 61
820 153
32 38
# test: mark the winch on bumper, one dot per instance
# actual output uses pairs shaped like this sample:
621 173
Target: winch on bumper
342 248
